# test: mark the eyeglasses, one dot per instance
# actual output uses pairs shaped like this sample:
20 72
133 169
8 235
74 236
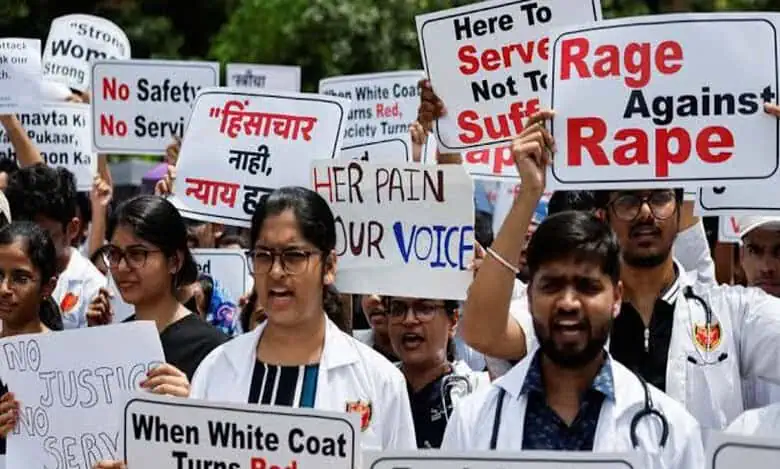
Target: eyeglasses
662 205
422 311
294 261
135 257
18 280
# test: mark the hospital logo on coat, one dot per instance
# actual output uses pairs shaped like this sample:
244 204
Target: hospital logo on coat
363 409
69 301
707 338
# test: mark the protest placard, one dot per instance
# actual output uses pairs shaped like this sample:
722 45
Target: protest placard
728 229
62 133
256 142
390 151
645 102
20 74
488 63
74 42
170 433
484 460
268 77
71 386
383 105
228 266
411 223
141 105
727 451
741 199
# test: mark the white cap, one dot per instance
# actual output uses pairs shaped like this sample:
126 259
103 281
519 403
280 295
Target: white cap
750 223
5 209
53 91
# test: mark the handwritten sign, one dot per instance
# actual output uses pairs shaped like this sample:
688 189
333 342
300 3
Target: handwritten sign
141 105
383 106
483 460
20 72
228 266
488 63
71 385
174 433
74 42
411 223
727 451
642 101
268 77
741 199
61 132
391 151
256 142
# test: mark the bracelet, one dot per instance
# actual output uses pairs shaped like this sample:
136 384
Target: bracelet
503 261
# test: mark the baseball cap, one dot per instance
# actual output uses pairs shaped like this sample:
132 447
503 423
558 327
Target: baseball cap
5 209
750 223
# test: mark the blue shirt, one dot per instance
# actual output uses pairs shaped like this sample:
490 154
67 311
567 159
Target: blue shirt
545 430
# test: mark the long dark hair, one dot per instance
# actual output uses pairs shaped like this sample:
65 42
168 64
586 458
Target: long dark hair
156 221
39 248
317 225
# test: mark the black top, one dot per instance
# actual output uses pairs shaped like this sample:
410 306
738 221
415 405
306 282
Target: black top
186 342
428 413
289 386
3 390
646 355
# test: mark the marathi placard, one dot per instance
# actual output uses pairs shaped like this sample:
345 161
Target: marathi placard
20 74
267 77
72 386
644 102
488 63
241 146
75 42
62 134
169 433
141 105
413 224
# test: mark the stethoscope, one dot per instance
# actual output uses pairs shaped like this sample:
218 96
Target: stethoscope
454 387
648 410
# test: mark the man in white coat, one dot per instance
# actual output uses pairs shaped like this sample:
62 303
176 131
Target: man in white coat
568 394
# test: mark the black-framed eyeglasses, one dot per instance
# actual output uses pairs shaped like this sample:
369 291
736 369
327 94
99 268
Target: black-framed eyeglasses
135 256
626 207
423 311
293 261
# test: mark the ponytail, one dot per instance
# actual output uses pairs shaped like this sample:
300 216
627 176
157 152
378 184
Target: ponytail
50 315
331 303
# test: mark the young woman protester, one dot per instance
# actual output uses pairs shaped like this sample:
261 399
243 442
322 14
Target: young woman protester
298 356
148 259
28 276
422 333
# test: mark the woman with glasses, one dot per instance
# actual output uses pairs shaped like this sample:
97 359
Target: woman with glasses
421 332
298 356
27 280
149 260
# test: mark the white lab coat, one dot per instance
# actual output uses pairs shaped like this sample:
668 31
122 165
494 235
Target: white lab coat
471 425
349 372
763 422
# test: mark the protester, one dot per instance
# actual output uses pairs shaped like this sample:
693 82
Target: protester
209 298
298 356
47 196
570 395
148 260
27 279
376 337
422 333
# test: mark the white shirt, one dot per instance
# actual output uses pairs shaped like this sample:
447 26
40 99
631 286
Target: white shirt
349 372
76 287
763 422
473 421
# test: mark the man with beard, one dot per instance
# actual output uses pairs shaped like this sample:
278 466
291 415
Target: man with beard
569 394
694 341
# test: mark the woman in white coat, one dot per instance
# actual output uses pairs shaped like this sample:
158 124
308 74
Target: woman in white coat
298 356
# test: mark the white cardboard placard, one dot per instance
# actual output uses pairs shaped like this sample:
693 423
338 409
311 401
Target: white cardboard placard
494 460
727 451
668 116
20 72
141 105
390 151
268 77
228 266
741 199
240 145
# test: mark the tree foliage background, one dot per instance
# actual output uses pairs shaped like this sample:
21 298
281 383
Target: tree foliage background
324 37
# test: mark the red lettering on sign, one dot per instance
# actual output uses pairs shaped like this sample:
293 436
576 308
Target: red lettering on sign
493 59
